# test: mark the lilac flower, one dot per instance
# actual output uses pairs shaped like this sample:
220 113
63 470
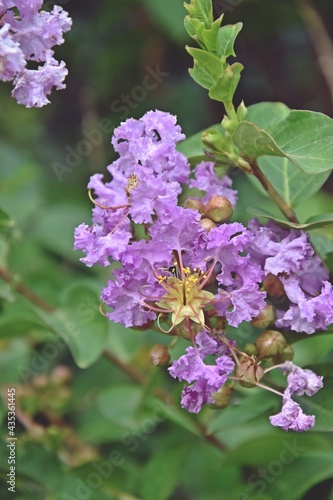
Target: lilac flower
12 59
206 180
239 299
30 37
279 250
301 381
292 417
289 256
150 143
207 378
306 313
31 87
38 33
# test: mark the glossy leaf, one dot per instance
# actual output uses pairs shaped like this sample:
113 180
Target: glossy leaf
292 184
161 474
226 84
80 324
321 405
303 137
226 38
207 67
315 222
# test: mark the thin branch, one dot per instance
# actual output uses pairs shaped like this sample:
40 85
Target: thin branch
320 39
287 211
25 291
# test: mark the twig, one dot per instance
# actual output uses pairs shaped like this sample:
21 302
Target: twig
320 39
274 195
26 292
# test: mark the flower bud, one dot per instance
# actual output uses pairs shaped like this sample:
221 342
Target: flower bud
250 373
241 111
218 209
159 355
207 224
194 204
273 286
221 397
264 318
270 343
214 140
227 123
250 349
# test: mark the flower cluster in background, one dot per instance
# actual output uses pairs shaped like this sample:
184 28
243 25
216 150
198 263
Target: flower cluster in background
188 271
28 35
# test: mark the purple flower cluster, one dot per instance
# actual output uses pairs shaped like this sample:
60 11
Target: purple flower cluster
300 382
28 34
193 280
204 379
288 255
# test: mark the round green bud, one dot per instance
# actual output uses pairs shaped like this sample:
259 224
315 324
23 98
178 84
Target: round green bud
264 318
218 209
194 204
207 224
270 343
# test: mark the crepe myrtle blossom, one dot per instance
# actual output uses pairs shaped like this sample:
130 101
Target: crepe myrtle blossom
176 274
205 379
288 255
300 382
28 34
145 287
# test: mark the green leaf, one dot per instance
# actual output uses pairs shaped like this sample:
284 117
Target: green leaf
179 417
241 411
226 39
262 449
120 404
207 67
303 137
315 222
161 474
226 84
321 405
292 184
254 142
201 10
322 239
297 477
210 36
80 324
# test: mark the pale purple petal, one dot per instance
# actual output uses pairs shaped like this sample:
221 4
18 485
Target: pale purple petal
12 59
205 179
32 86
292 417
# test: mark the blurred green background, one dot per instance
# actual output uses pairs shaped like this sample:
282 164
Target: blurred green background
98 431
